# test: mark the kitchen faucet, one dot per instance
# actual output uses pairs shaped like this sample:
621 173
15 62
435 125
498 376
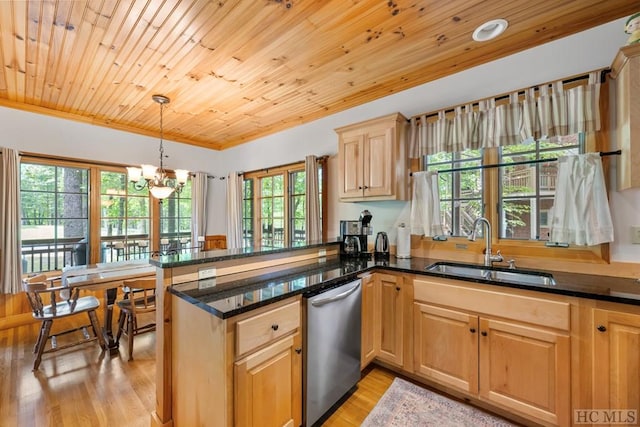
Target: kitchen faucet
489 259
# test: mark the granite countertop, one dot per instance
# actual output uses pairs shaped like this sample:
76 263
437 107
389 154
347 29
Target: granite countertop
231 295
201 257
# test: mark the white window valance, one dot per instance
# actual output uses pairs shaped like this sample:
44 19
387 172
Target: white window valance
553 112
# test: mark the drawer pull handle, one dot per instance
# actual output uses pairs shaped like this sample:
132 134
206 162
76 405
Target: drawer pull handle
274 326
602 328
397 288
472 330
483 333
298 350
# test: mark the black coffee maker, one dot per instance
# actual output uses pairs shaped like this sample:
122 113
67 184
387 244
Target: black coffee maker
354 236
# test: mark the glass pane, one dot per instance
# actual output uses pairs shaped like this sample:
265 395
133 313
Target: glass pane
112 227
278 207
518 222
267 186
35 177
72 228
138 227
72 206
37 206
298 208
112 206
519 180
278 185
137 206
267 208
112 183
72 180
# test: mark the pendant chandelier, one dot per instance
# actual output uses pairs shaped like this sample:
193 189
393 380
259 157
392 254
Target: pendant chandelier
156 178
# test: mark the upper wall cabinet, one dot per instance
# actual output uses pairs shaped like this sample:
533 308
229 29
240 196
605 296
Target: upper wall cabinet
626 72
373 160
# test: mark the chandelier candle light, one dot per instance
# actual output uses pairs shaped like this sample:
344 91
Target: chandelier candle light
156 179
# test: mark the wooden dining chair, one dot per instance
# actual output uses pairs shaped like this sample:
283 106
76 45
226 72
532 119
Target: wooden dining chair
50 303
139 299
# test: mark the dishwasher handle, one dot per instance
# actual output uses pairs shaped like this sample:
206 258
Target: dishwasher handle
343 295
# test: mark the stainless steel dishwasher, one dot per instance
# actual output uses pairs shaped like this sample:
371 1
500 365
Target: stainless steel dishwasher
332 347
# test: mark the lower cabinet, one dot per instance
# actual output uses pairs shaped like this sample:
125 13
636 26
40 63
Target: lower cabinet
268 368
383 319
391 318
521 367
616 362
370 320
241 371
268 385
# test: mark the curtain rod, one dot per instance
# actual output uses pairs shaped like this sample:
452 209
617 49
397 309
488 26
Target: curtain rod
524 162
584 76
318 159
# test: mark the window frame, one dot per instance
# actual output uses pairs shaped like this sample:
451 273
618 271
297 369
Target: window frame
285 170
94 200
463 249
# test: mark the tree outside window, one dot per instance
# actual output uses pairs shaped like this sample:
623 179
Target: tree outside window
55 216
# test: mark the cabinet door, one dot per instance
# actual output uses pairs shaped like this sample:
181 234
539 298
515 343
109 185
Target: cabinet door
370 320
616 361
268 385
379 163
351 155
525 369
446 346
391 318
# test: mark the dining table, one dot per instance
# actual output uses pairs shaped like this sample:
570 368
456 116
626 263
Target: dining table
107 277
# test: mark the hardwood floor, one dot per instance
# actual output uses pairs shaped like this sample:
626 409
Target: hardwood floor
83 386
80 386
375 381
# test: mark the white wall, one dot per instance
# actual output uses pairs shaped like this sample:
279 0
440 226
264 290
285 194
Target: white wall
35 133
589 50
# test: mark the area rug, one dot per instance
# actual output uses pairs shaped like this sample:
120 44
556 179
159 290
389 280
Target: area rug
406 404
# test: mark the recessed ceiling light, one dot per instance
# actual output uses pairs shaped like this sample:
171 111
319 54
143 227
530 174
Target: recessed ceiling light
490 30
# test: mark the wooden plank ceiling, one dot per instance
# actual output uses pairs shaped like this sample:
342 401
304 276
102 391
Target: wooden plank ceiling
236 70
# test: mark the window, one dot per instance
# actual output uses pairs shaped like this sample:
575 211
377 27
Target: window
274 207
124 219
271 214
55 216
247 213
65 223
460 191
297 207
175 220
528 186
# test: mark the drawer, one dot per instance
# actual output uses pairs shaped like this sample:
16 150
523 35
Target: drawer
255 331
538 311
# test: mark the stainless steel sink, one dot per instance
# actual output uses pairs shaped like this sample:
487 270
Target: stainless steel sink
524 277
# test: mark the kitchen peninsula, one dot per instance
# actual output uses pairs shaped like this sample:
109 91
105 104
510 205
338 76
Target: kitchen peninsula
229 347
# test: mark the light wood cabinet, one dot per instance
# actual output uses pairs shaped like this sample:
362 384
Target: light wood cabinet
268 385
626 73
268 376
373 160
526 369
446 346
383 319
370 321
391 318
486 343
241 371
616 359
